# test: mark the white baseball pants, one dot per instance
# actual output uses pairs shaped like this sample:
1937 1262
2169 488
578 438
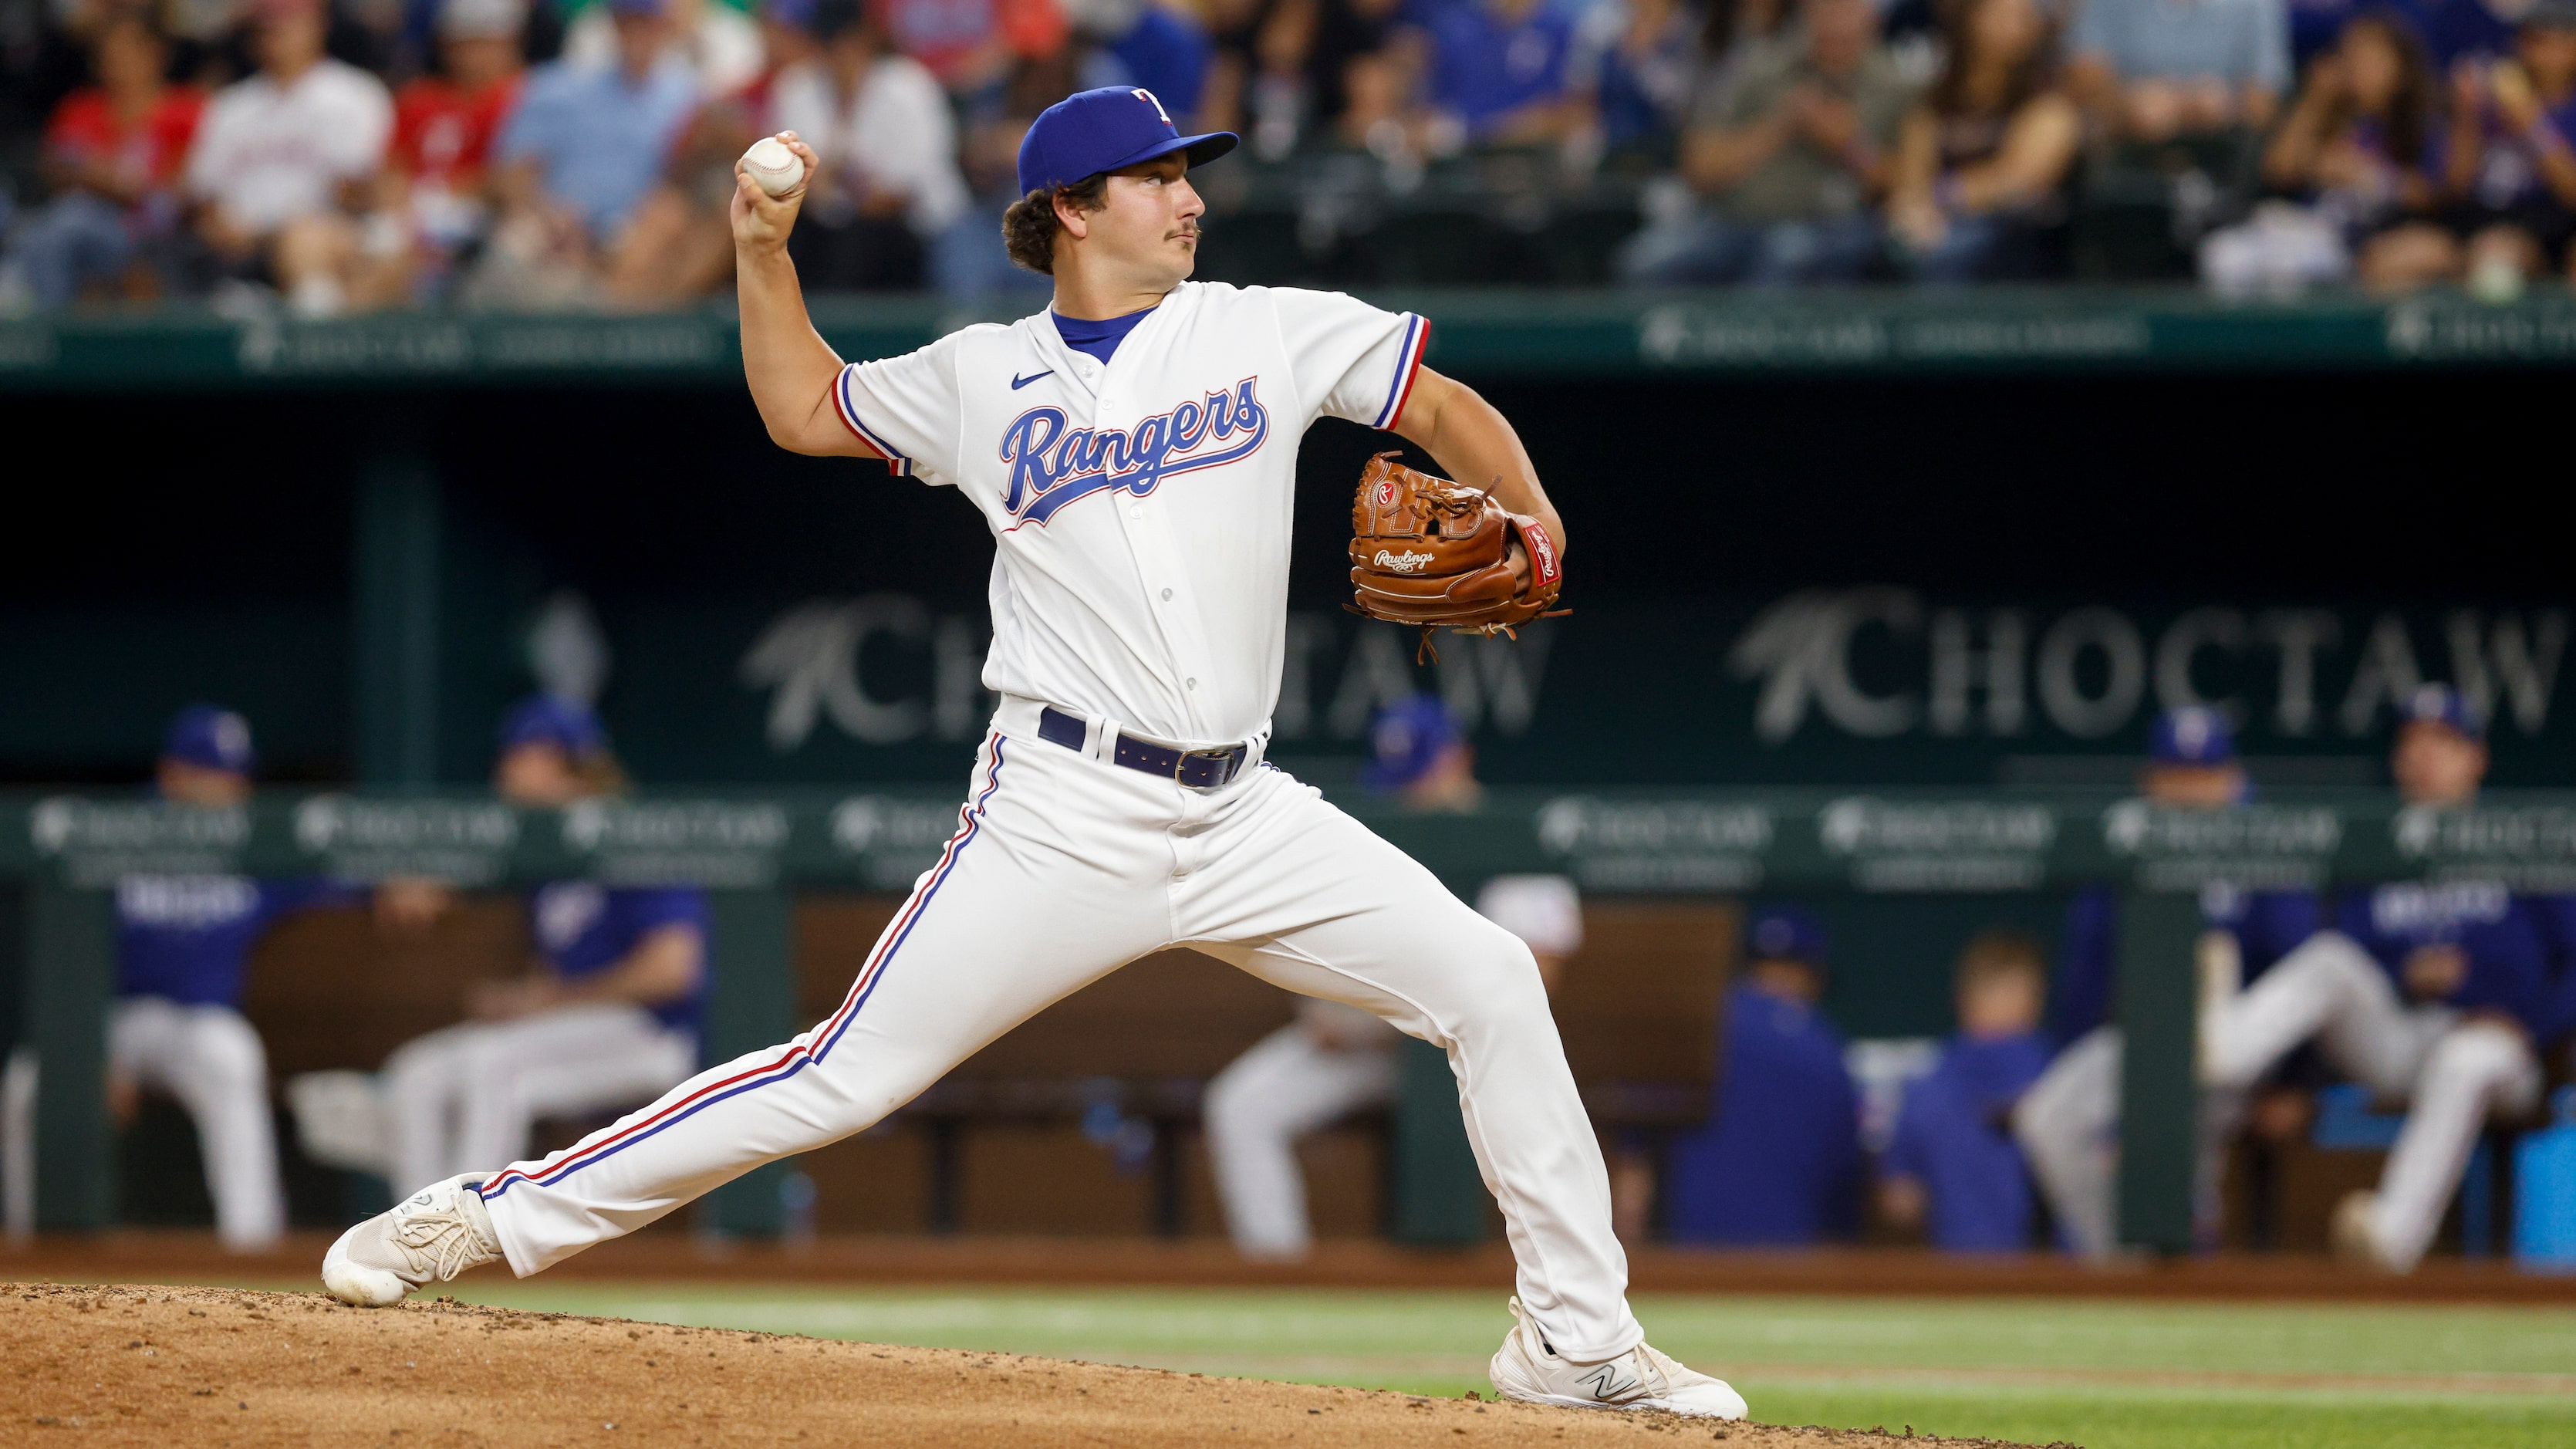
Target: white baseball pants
209 1058
2452 1074
1065 867
1288 1085
18 1145
212 1061
2068 1125
466 1096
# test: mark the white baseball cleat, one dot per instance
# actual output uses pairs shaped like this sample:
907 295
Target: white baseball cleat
435 1234
1528 1368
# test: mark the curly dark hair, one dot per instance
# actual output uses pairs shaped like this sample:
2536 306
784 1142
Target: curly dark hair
1029 227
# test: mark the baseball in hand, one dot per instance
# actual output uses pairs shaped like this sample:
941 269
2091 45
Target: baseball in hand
777 169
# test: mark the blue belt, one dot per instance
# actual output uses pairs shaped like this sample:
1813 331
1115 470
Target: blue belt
1198 769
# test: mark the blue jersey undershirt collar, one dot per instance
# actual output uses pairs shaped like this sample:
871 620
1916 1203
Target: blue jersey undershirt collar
1100 338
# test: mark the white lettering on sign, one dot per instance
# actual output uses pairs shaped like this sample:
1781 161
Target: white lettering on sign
1857 825
1876 662
1578 824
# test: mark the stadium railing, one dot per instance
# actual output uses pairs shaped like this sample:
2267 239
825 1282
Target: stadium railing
1485 333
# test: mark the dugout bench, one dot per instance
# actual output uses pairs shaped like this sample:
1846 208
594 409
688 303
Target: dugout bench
753 851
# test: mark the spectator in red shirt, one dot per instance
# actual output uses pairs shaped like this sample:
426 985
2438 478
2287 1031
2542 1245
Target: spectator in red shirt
444 124
112 154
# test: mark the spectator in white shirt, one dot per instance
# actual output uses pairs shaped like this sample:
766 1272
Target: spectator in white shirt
278 153
888 143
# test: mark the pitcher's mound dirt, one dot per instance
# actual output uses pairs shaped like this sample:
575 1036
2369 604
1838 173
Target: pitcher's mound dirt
213 1366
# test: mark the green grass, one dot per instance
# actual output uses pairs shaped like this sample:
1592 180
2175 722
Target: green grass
2106 1374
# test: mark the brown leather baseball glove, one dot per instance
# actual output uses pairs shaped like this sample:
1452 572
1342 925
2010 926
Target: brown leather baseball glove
1427 552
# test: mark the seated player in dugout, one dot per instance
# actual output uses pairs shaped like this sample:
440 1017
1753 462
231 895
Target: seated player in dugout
1778 1164
2443 996
607 1015
1132 450
1332 1061
1953 1173
183 947
2068 1123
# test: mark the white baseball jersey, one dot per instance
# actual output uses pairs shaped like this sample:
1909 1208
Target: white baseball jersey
1140 508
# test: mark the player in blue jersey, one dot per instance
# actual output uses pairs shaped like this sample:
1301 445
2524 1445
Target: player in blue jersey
1779 1163
1953 1168
2068 1123
182 951
2438 994
608 1013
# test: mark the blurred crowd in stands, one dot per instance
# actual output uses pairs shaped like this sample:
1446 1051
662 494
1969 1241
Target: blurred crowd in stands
349 154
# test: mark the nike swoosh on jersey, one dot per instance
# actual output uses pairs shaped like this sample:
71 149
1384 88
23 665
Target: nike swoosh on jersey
1020 382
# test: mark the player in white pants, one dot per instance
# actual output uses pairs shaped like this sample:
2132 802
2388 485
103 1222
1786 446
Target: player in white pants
1133 452
208 1057
1334 1060
2480 973
176 1026
607 1016
2478 965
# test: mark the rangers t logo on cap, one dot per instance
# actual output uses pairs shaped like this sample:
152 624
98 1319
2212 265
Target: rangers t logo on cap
1099 130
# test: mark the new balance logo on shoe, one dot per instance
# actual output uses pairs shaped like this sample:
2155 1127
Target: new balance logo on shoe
1606 1383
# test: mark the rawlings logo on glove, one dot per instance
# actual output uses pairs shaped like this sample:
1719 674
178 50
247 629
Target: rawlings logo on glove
1427 552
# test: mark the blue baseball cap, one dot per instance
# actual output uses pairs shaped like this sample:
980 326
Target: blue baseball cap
1407 737
209 737
1785 933
545 719
2442 705
1093 131
2195 734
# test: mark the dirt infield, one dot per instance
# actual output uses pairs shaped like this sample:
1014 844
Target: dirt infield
217 1366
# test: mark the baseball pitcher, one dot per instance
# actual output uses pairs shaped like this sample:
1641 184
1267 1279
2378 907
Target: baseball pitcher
1133 451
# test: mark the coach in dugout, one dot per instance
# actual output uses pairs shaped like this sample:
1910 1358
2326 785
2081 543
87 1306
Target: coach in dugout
182 950
1780 1164
2438 994
607 1016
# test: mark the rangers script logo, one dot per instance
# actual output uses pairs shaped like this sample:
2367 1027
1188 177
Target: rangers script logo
1051 467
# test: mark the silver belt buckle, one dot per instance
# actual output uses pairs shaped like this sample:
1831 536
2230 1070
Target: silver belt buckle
1189 755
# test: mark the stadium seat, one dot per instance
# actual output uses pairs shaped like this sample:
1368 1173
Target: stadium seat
2544 1190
